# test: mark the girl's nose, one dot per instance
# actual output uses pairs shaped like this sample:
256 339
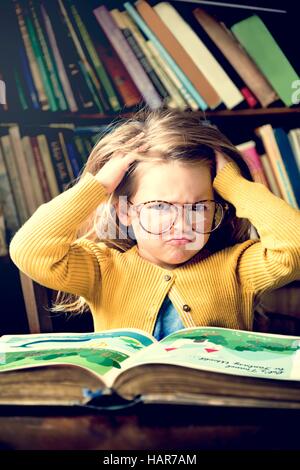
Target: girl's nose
182 225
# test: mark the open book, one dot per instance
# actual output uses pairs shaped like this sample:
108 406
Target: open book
202 365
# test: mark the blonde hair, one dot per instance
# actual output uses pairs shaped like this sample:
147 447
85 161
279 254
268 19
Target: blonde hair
184 136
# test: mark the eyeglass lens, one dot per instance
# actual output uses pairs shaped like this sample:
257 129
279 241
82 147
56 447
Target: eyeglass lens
158 217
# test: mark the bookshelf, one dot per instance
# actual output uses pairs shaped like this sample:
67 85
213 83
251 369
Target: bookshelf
237 123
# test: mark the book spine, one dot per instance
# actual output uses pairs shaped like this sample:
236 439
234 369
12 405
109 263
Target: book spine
250 155
128 58
21 92
7 200
183 94
31 58
288 161
118 73
166 56
60 167
3 242
165 35
36 186
90 86
160 72
139 53
59 62
23 170
294 138
3 104
40 60
270 175
298 156
80 149
270 144
202 57
266 53
47 162
180 95
99 67
49 65
15 182
249 97
28 78
71 59
63 146
74 158
40 168
235 54
93 83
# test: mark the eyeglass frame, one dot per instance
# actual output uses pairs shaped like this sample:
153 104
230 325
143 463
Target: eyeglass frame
224 205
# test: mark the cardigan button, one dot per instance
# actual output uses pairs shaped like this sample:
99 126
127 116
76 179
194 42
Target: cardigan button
167 277
186 308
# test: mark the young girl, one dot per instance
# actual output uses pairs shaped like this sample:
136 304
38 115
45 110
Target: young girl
155 234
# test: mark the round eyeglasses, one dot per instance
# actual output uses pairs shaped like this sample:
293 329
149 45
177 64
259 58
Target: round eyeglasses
157 216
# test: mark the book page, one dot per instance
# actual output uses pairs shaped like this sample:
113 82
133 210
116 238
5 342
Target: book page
100 352
227 351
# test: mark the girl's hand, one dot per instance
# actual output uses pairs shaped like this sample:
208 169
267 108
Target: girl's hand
112 173
221 161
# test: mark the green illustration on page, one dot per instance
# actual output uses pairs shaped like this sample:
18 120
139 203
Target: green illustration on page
227 351
100 352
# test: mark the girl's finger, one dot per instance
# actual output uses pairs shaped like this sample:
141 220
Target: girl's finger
123 153
131 155
143 147
136 137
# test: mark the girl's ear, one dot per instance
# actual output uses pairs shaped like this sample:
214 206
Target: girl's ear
123 213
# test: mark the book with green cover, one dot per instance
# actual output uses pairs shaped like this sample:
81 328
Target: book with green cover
261 46
201 365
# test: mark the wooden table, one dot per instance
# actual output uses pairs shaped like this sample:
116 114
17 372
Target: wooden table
151 427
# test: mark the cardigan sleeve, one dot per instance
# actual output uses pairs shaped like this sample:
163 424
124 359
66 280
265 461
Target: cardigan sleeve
45 247
274 260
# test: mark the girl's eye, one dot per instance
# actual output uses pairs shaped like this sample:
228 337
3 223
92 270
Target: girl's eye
161 206
200 208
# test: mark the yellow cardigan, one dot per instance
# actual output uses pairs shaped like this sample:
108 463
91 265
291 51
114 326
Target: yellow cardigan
124 290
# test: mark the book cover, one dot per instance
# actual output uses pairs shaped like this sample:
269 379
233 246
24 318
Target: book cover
200 365
261 46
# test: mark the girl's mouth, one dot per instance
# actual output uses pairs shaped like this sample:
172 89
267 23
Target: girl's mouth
178 241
